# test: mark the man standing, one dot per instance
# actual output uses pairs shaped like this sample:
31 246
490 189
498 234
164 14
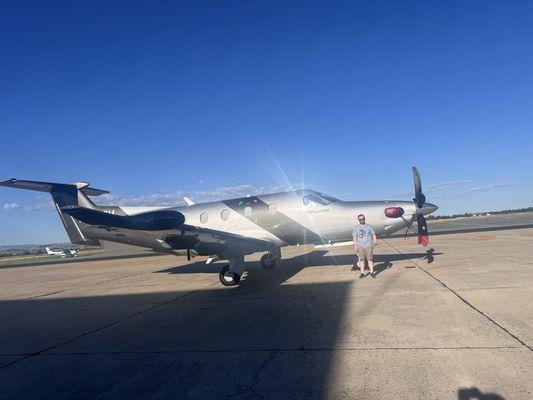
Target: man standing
364 239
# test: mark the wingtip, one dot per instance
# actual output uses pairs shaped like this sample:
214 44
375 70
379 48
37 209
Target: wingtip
7 182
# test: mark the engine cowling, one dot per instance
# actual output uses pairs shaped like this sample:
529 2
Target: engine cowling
394 212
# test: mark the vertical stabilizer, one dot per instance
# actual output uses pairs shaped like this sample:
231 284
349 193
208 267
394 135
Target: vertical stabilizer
65 194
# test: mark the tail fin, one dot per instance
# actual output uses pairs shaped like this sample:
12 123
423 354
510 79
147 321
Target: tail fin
48 250
64 194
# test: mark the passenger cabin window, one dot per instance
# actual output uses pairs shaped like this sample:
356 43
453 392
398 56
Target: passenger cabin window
224 215
204 217
247 211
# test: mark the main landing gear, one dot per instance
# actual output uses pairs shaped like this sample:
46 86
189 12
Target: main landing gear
228 278
271 259
230 275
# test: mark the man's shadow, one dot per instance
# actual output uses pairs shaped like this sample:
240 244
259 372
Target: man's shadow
474 393
379 268
429 255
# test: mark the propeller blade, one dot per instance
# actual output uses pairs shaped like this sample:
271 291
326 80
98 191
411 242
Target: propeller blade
419 199
423 234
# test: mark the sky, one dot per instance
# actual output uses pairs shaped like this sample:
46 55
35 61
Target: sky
157 100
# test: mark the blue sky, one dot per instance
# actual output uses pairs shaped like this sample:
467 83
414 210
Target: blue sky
154 100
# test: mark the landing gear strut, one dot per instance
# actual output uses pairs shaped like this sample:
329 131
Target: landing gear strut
271 259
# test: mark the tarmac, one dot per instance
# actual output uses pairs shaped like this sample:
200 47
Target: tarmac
452 321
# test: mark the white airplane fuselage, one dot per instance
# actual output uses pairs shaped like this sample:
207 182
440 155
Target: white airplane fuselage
287 218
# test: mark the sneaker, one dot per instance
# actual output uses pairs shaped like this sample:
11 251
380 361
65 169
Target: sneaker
373 275
361 276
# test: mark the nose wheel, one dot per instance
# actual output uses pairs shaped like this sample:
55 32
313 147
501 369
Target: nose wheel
228 278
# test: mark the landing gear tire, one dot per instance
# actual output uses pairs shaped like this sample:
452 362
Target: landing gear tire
228 278
268 261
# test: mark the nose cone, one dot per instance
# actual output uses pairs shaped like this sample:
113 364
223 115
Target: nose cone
428 208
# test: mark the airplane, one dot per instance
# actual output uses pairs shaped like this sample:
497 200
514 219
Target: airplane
230 229
63 253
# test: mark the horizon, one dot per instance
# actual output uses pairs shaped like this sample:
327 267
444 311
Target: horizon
429 219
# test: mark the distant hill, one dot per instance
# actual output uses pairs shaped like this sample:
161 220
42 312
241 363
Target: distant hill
467 215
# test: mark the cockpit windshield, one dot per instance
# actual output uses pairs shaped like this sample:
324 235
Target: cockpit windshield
318 199
327 197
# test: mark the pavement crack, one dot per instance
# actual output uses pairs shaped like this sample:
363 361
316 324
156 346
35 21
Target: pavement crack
255 379
70 289
105 326
465 301
35 297
269 350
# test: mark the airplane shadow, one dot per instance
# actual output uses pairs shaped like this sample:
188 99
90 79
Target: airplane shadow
290 266
245 342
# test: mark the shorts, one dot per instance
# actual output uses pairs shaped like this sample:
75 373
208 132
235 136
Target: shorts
367 253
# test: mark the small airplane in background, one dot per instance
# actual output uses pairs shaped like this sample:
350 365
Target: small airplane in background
230 229
63 253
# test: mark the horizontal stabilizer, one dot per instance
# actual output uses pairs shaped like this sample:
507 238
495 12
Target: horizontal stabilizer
50 186
148 221
64 194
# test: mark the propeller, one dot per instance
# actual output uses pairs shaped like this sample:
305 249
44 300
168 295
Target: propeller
420 200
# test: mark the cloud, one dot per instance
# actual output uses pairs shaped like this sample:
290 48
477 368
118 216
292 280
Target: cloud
447 185
169 199
176 198
492 186
436 187
27 207
443 190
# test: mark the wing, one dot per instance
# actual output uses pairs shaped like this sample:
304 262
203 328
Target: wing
213 242
202 240
165 231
